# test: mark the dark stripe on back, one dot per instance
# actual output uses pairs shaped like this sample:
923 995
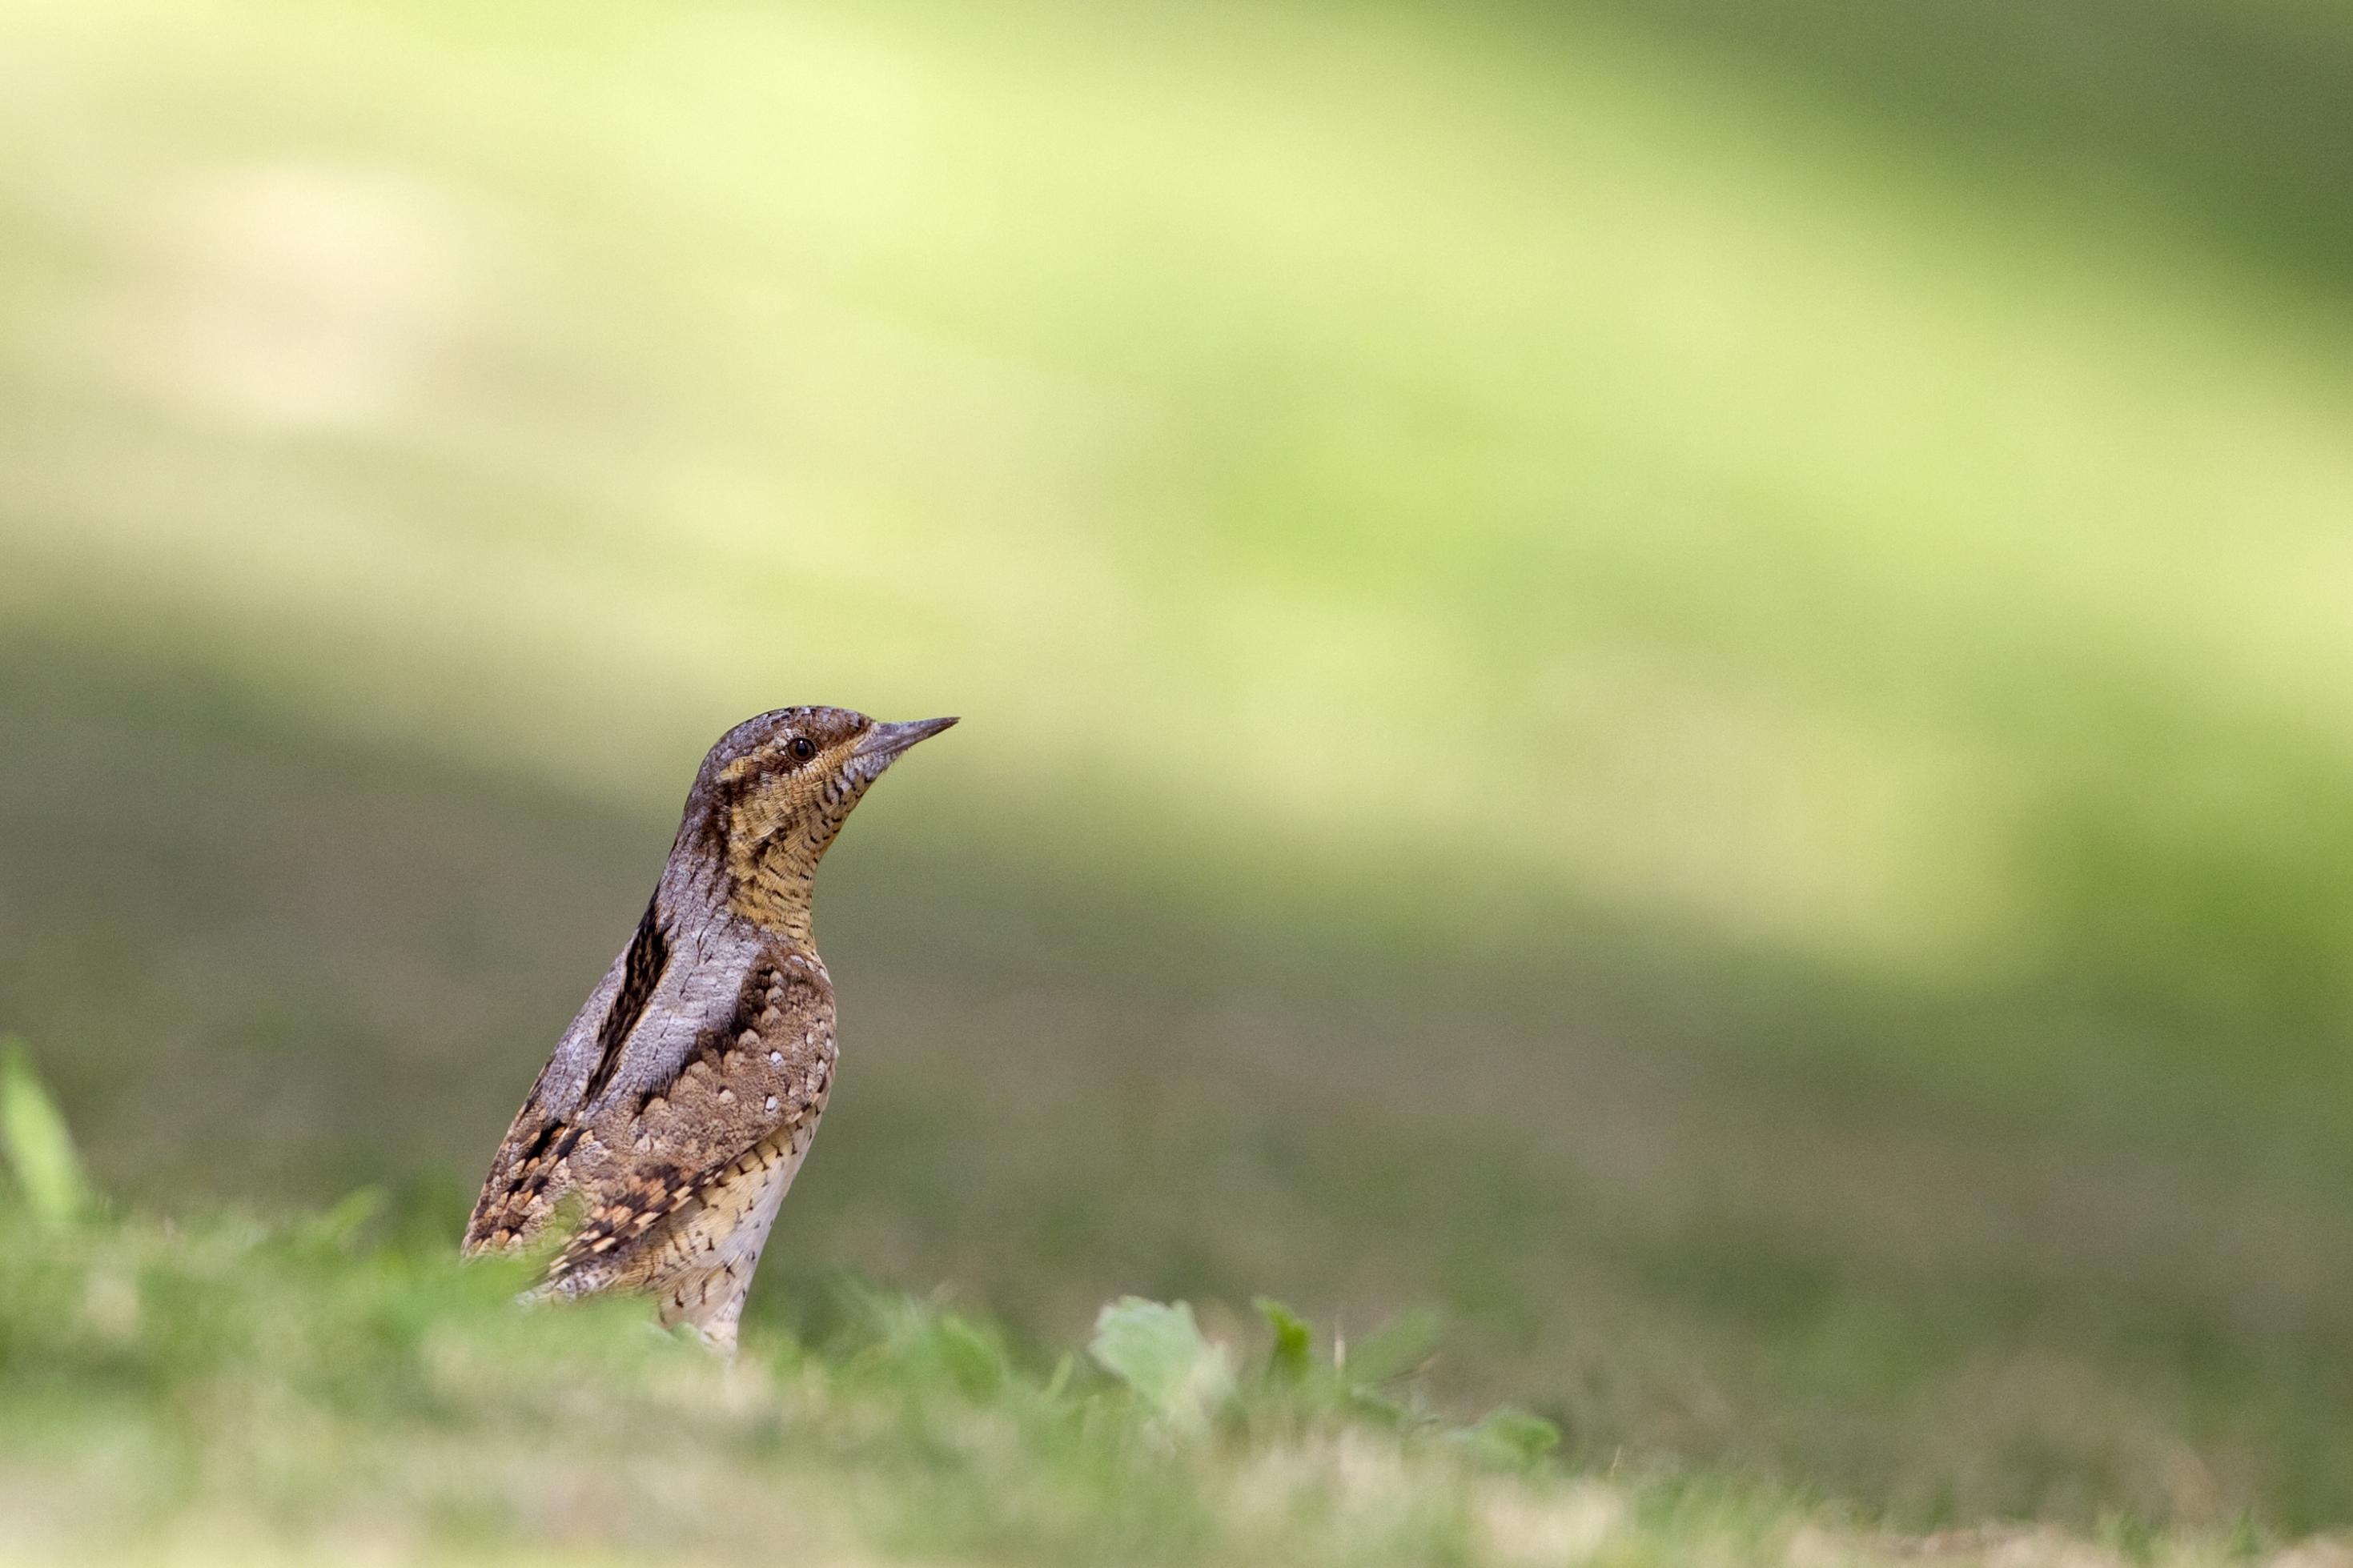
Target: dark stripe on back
641 971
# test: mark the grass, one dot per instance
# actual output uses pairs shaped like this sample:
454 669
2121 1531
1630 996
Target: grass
330 1388
1675 685
232 1390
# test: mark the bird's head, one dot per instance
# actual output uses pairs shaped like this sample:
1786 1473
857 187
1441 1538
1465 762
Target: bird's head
776 790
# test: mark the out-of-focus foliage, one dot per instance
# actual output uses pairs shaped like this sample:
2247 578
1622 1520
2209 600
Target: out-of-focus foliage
232 1391
1669 675
40 1150
1157 1350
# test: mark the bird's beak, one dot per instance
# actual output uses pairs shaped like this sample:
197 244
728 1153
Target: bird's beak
885 742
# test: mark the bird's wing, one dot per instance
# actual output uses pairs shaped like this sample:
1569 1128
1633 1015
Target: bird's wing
749 1088
689 1054
527 1174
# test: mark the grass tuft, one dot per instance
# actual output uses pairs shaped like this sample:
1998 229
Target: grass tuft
40 1147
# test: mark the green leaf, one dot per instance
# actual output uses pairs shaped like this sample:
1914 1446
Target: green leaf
1513 1436
1158 1349
1294 1350
1397 1347
40 1147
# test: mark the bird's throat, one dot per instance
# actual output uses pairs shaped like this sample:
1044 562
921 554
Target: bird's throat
772 856
775 885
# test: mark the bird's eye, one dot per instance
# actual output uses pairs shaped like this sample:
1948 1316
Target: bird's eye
802 748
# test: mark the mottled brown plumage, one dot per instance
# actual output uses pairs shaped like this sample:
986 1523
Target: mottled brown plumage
680 1103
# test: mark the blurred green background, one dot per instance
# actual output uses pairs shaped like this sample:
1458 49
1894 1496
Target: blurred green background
1672 675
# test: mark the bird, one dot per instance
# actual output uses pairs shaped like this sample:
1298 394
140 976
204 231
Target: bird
678 1106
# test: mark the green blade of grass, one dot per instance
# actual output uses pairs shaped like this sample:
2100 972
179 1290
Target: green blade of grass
40 1146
